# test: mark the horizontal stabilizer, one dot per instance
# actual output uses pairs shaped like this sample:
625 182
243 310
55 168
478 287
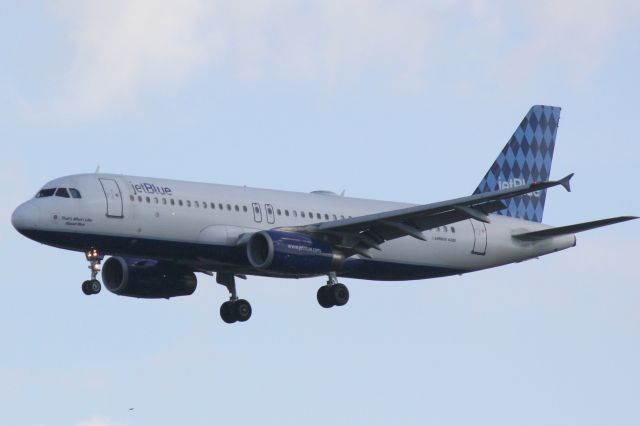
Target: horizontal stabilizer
571 229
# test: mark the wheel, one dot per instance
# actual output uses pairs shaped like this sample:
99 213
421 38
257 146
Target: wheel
226 312
95 286
324 297
86 288
242 310
340 294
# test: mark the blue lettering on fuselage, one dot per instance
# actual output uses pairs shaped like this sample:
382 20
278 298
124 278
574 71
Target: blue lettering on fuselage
150 188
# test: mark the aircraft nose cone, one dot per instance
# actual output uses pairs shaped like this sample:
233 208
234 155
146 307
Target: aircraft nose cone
26 216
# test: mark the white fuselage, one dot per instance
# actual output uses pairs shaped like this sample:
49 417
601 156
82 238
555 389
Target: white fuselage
202 225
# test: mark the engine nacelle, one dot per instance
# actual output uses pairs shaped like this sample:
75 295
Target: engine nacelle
147 278
291 253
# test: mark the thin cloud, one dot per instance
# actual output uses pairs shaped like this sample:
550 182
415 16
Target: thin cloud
570 38
122 48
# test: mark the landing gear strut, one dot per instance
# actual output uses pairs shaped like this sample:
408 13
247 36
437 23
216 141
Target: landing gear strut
234 309
333 293
93 286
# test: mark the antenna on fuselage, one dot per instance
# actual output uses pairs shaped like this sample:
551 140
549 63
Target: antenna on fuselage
97 169
342 193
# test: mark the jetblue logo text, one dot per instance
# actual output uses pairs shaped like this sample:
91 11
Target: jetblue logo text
514 183
149 188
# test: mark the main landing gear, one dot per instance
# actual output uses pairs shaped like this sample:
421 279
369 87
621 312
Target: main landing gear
333 293
234 309
93 286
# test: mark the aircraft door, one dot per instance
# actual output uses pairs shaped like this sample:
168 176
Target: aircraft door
479 237
271 218
113 196
257 212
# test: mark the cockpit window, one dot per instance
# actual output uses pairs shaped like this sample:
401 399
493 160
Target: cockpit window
62 192
47 192
75 193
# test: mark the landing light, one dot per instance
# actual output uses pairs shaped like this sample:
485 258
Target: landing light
92 254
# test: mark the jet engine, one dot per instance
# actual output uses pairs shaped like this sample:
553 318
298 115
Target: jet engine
147 278
289 253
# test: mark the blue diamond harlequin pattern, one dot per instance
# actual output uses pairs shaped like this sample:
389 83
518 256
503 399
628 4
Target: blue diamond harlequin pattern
526 158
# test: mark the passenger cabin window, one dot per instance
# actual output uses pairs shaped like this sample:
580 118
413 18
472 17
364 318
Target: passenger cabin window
62 192
302 214
132 198
237 207
45 193
188 203
213 206
140 198
173 202
244 209
197 204
75 193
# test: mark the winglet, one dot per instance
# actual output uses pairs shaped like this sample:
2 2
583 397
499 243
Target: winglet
566 182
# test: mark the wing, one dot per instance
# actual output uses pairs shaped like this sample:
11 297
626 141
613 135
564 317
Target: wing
359 234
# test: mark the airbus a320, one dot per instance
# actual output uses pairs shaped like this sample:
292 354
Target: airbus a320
158 232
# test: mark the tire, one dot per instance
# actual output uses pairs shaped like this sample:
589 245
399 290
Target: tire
340 294
226 312
242 310
86 289
324 297
95 286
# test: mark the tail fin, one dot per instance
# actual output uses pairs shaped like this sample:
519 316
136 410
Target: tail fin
525 159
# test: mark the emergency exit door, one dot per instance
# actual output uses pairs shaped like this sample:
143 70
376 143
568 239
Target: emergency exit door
479 237
114 197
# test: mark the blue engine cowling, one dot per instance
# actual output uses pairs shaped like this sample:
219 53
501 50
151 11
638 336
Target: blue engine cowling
147 278
289 253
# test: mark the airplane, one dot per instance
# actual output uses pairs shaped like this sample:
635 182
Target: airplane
160 232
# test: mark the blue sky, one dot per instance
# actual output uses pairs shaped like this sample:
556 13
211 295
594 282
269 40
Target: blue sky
391 100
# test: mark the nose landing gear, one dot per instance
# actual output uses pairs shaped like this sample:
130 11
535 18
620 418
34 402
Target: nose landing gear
93 286
333 293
